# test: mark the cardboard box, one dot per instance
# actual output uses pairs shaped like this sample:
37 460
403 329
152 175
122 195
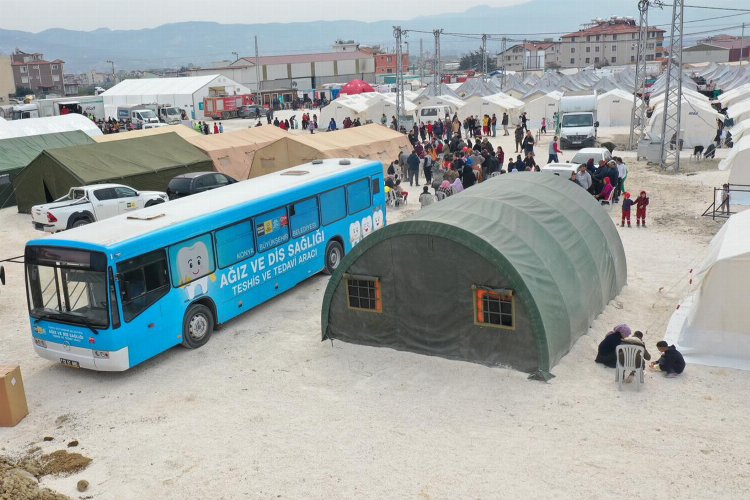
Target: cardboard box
12 396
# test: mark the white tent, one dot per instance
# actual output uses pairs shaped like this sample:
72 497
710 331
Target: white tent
738 162
740 130
186 92
735 95
543 107
368 106
454 103
712 326
48 125
614 108
739 111
697 123
487 105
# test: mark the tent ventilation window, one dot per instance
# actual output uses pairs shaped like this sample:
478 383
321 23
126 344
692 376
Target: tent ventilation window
494 307
363 293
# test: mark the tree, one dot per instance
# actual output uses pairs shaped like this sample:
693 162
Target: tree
473 60
23 92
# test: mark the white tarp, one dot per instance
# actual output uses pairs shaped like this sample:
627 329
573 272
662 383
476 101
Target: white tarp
697 123
488 105
738 162
543 107
735 95
712 326
739 111
48 125
614 108
366 106
740 130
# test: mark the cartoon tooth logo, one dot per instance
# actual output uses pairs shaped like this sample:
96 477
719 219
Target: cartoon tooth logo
377 218
366 226
192 262
355 233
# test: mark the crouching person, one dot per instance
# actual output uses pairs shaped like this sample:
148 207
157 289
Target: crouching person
671 361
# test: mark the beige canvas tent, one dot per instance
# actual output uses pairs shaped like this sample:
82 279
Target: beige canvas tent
373 142
233 152
180 130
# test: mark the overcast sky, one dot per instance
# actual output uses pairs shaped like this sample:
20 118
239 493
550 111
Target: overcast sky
133 14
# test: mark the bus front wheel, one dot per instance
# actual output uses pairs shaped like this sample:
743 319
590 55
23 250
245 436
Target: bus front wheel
197 326
334 254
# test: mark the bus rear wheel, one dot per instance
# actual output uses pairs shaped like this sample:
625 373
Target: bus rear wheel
197 326
334 254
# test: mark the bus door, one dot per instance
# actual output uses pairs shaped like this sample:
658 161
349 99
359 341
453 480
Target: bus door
144 283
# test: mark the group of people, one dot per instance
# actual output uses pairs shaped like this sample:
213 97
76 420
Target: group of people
205 129
671 362
345 123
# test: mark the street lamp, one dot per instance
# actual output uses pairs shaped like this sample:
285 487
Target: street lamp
114 79
236 56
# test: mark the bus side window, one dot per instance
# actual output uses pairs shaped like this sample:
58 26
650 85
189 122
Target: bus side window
235 243
333 206
303 217
358 195
376 182
272 229
143 281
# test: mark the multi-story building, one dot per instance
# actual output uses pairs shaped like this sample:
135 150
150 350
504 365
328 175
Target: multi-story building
7 87
531 55
388 63
32 71
605 42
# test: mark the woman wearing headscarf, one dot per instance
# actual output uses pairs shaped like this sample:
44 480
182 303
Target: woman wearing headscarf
607 352
445 188
606 190
457 186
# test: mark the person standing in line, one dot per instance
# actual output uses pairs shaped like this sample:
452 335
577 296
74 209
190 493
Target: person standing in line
493 123
412 164
505 123
524 121
518 136
622 173
554 150
528 143
427 168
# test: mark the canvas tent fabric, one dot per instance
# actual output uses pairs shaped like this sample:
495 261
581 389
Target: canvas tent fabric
697 123
233 152
48 125
740 130
374 142
487 105
356 87
147 163
711 325
368 106
18 152
544 106
738 164
540 237
180 130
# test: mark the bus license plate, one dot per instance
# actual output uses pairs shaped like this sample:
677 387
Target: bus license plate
69 362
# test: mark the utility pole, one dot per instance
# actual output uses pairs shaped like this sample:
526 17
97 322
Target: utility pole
484 54
421 62
437 78
257 68
503 48
397 34
742 43
638 112
670 156
523 62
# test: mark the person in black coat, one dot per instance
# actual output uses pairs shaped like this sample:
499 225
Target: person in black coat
607 351
671 361
468 177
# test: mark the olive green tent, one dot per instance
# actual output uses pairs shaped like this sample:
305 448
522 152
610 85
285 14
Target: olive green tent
509 272
142 163
17 152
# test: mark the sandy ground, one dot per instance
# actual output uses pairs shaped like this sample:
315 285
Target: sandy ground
265 410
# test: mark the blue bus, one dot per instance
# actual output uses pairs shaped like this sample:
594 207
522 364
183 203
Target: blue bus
115 293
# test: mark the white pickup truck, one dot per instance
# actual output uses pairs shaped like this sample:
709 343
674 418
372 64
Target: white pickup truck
87 204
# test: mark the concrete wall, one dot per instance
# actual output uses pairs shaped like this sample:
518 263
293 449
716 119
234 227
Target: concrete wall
7 86
703 53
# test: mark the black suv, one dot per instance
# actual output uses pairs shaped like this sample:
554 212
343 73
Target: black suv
196 182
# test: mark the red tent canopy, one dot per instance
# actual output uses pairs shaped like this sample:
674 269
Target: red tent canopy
356 87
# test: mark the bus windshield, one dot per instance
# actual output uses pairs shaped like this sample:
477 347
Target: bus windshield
67 285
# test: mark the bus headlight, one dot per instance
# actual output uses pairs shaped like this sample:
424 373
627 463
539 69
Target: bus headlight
40 343
101 354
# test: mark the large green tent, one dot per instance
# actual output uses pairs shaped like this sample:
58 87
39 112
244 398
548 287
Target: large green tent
142 163
509 272
18 152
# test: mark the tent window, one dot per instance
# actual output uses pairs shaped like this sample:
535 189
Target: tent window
494 308
363 293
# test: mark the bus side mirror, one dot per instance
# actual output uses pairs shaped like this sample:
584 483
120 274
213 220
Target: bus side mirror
2 275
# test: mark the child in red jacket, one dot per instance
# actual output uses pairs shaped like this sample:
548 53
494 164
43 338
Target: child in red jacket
626 204
640 211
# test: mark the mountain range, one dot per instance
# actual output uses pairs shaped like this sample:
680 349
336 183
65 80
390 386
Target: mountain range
201 43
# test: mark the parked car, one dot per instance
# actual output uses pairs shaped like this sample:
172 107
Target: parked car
251 112
196 182
598 154
87 204
561 169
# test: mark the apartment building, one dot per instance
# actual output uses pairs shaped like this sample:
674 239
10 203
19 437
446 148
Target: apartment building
531 55
7 86
32 71
605 42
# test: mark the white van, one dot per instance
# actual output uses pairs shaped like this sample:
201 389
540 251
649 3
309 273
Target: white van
433 113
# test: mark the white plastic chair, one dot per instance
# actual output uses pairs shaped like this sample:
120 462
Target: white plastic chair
609 199
439 195
629 359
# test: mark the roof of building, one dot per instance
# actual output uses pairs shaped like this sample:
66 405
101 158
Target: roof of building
607 28
165 86
303 58
531 46
40 61
727 44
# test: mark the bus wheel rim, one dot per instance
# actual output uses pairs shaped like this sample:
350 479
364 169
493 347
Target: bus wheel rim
198 326
334 259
